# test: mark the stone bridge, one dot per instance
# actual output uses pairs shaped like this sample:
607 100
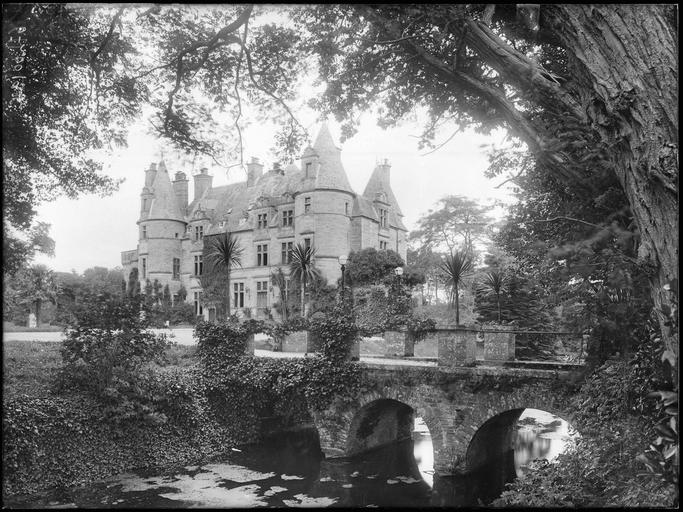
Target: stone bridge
470 411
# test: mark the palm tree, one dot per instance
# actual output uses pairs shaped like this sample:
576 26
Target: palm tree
302 268
456 266
494 281
223 253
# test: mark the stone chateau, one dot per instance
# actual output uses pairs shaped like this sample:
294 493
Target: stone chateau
269 213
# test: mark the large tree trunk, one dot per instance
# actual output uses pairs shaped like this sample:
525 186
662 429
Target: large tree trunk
456 297
629 53
36 305
227 306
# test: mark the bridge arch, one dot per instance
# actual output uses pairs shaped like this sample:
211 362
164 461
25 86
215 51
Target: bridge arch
494 438
379 417
454 406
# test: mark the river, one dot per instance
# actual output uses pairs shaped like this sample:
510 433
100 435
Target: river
287 470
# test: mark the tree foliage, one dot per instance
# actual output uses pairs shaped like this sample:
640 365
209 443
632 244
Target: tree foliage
29 289
456 222
76 77
370 266
585 108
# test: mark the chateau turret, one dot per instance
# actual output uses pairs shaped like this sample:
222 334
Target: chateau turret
331 200
161 228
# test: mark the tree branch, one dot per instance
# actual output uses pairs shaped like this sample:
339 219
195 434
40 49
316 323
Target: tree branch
108 37
444 142
561 217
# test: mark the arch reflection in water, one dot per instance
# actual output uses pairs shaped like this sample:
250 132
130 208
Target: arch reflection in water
540 435
423 451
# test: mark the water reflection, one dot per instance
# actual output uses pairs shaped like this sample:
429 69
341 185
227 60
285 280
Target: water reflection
423 451
287 470
539 435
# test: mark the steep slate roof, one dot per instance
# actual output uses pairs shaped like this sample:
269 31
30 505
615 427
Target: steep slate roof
331 174
164 205
230 203
364 207
379 182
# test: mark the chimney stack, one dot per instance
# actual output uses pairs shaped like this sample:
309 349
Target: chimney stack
150 174
181 187
202 182
254 171
383 170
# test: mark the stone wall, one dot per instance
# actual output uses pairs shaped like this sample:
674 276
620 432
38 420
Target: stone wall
296 342
398 344
464 346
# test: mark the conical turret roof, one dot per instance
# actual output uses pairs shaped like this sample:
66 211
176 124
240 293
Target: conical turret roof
331 174
164 204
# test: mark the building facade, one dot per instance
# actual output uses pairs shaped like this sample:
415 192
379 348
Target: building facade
268 213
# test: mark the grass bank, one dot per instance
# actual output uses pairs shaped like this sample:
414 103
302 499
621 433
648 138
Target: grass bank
61 440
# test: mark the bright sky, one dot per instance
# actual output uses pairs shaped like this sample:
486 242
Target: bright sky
93 230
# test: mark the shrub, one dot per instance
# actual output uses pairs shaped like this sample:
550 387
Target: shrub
336 332
182 396
24 419
222 343
419 326
104 353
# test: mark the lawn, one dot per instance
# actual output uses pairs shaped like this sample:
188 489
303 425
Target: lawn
11 327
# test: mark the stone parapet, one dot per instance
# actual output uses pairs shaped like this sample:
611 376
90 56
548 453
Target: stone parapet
465 345
455 347
399 344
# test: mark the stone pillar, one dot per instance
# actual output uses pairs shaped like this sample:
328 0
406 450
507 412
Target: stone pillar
354 353
295 342
398 344
32 320
499 346
313 344
457 347
249 349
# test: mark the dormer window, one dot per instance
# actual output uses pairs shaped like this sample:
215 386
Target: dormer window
308 169
382 218
198 232
262 220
